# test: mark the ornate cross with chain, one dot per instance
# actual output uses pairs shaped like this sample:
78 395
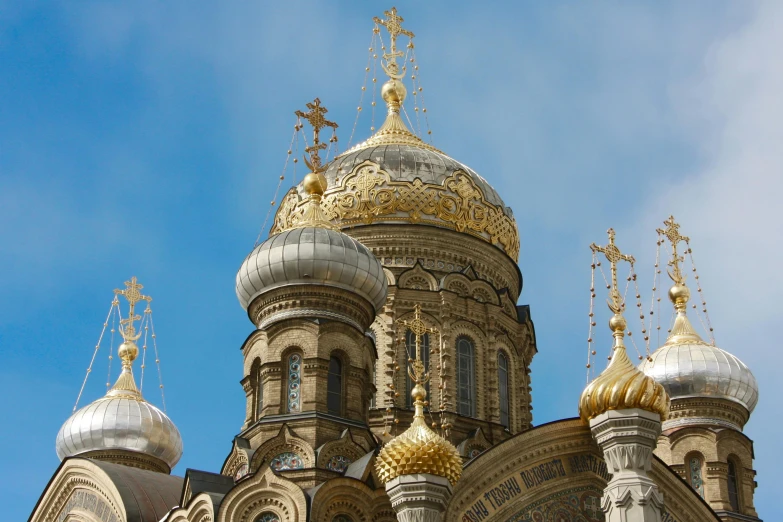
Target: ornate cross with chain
416 370
133 296
315 116
613 255
672 233
393 24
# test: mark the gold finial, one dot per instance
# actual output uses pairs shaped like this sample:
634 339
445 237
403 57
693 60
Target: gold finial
128 351
316 118
419 449
393 131
613 255
682 330
416 370
310 213
621 385
672 233
393 24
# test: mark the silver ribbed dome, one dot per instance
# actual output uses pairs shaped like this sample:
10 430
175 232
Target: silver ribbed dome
686 366
120 422
311 255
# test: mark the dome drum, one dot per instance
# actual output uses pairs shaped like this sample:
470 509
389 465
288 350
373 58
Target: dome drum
309 302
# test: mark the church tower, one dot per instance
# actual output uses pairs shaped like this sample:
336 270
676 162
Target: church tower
446 241
712 395
312 293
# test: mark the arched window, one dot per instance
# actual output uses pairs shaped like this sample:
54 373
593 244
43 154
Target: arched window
466 386
503 388
342 518
410 346
694 473
267 516
259 393
294 397
734 499
334 387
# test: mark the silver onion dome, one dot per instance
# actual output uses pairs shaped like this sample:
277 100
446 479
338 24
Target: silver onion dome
696 369
312 256
123 423
687 366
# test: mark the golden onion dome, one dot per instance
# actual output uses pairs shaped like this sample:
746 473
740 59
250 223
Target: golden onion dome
622 385
395 177
419 450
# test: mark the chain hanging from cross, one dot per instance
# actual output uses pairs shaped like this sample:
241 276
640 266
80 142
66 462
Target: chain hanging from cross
315 116
133 296
672 233
613 255
393 24
416 370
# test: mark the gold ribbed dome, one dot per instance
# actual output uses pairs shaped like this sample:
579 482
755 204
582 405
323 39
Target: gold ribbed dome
419 450
622 385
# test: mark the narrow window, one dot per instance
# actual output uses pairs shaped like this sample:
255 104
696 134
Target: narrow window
334 387
268 517
503 388
694 473
733 492
466 403
260 388
294 399
410 346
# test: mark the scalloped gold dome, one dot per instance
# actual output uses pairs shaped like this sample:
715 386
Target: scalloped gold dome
419 450
622 385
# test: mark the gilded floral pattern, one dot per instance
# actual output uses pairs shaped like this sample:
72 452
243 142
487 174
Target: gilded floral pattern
368 195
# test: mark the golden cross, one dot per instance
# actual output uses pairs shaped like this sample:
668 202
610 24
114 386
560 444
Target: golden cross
613 255
315 116
393 24
672 233
133 296
416 370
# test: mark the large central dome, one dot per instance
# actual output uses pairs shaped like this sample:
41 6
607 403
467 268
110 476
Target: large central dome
395 177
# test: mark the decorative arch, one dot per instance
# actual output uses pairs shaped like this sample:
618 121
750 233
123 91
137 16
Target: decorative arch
264 492
79 479
348 496
473 445
390 279
417 278
286 441
237 464
342 451
199 509
477 289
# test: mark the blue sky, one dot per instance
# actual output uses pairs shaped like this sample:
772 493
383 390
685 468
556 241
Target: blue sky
146 138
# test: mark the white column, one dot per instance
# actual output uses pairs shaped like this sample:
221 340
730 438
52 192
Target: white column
419 497
627 439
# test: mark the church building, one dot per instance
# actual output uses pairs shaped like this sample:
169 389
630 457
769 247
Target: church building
387 367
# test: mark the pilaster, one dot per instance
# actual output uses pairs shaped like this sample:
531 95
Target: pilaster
627 438
419 497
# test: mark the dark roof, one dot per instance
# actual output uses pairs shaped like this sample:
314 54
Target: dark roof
146 495
213 484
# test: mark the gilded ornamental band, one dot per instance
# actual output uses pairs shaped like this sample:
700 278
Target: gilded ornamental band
368 193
